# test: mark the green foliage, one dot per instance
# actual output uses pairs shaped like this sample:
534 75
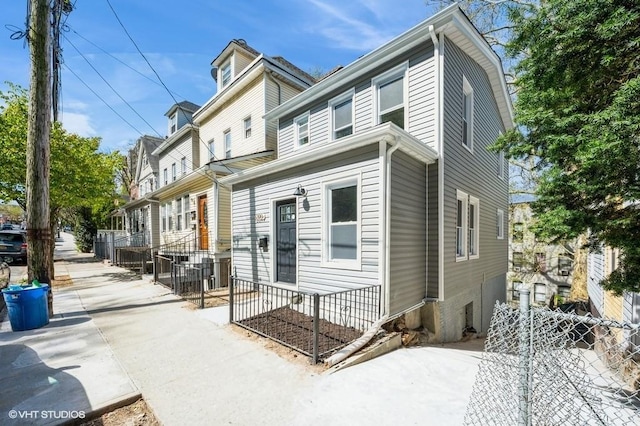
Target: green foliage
85 230
578 112
80 175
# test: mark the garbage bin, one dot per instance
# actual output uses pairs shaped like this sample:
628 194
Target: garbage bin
27 306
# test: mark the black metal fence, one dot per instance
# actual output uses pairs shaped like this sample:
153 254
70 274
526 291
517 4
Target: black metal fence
105 245
314 324
188 282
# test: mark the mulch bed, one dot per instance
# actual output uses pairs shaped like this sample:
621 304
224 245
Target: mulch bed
296 329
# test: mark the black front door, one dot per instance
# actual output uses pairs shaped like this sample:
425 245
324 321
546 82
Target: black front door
286 241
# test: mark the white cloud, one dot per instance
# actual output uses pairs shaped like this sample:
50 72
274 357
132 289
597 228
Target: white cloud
78 123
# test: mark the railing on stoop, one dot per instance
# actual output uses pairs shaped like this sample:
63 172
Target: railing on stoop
313 324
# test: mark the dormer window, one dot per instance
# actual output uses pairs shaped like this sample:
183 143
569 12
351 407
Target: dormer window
145 160
225 73
173 123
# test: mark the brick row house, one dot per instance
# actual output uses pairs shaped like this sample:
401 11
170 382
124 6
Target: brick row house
377 175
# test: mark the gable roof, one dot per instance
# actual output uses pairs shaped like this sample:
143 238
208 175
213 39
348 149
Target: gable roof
453 23
147 144
184 106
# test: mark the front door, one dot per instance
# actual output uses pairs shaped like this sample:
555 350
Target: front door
203 220
286 241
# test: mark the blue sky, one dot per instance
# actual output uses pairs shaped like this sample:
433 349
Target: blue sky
180 39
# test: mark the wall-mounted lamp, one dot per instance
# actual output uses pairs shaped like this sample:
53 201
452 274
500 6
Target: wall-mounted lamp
263 243
300 192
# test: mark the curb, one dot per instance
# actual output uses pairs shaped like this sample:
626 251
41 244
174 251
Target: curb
105 408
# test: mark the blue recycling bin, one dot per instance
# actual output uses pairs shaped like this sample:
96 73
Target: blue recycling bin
27 306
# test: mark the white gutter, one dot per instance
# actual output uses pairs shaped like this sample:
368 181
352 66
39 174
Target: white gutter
439 136
386 218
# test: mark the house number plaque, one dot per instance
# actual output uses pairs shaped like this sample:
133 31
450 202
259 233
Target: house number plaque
261 217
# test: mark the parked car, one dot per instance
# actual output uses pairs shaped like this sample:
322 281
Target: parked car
13 246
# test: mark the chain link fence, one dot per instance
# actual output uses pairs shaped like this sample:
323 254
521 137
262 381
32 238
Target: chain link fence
545 367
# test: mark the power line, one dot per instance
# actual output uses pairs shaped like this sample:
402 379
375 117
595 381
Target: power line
110 86
159 79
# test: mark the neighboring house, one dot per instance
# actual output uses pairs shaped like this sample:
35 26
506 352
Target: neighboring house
604 303
383 178
546 270
233 134
140 210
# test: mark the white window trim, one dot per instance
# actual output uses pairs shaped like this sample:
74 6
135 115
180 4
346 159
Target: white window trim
349 95
341 180
174 172
473 201
228 62
464 197
296 134
227 149
247 129
401 70
500 224
173 121
165 176
467 90
183 166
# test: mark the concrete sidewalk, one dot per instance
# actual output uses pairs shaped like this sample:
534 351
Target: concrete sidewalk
194 370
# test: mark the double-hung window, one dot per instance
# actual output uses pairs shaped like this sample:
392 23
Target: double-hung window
474 227
247 127
165 176
467 114
163 215
301 127
170 216
225 74
341 112
391 96
179 214
342 231
227 144
173 172
212 150
173 123
185 204
183 165
462 201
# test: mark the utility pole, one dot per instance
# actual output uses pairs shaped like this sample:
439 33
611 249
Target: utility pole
39 254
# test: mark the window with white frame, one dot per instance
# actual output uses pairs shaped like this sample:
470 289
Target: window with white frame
342 204
163 215
170 216
474 227
225 74
179 214
212 150
341 112
515 290
183 165
173 172
301 126
540 292
227 144
500 224
185 206
390 96
462 201
467 114
165 176
247 127
173 123
145 160
501 164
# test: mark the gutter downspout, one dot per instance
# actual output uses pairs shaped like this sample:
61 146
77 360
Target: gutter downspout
386 219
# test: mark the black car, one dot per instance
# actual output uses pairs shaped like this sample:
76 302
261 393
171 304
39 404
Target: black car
13 246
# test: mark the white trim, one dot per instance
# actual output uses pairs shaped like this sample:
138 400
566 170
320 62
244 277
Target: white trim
500 224
473 201
341 180
467 95
440 139
230 63
400 71
250 129
227 149
463 229
296 130
348 95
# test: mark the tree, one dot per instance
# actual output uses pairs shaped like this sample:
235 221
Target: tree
80 176
578 115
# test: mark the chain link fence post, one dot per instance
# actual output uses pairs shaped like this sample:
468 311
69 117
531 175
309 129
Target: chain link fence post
524 353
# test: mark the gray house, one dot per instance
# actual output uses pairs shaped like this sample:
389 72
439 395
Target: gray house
383 179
